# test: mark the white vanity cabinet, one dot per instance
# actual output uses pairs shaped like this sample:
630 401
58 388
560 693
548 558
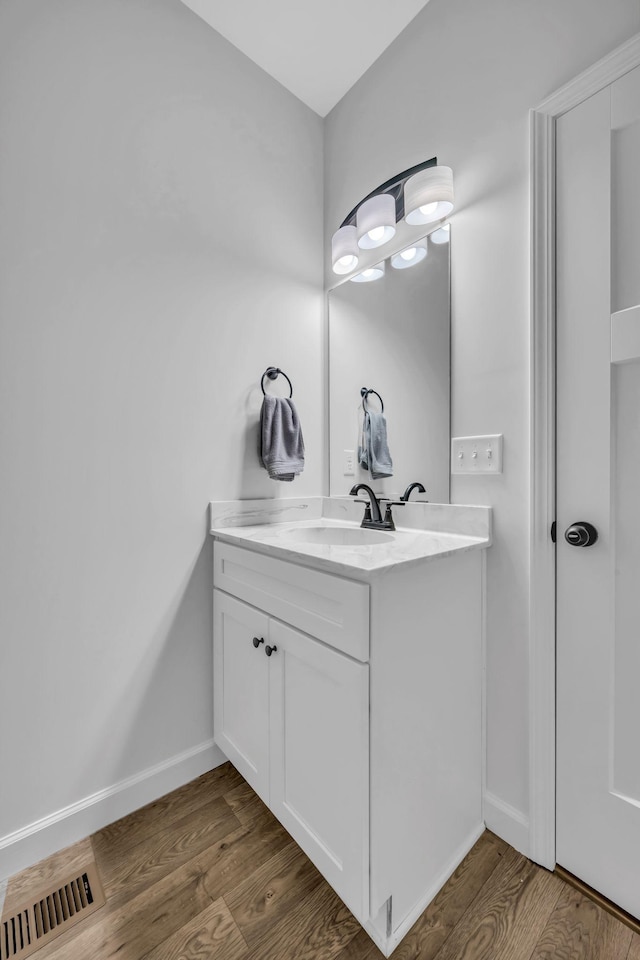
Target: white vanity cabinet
292 714
362 730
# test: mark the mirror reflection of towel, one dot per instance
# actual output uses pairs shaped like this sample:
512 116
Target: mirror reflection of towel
281 443
373 453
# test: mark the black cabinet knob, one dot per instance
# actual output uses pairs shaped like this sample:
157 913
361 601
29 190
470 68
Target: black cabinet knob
581 534
269 650
257 641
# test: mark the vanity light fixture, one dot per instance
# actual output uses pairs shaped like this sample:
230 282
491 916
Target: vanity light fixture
421 194
408 257
376 221
428 195
344 250
441 235
371 273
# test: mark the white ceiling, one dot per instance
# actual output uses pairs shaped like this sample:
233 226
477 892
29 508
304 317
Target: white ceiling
315 48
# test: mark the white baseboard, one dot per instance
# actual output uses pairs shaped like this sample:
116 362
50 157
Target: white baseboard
506 822
38 840
387 946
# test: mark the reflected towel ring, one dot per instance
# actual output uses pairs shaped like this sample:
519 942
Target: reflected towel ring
272 373
364 393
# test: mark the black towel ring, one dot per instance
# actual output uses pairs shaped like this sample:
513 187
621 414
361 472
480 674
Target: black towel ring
272 373
364 393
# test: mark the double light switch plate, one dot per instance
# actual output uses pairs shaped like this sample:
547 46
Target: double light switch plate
476 454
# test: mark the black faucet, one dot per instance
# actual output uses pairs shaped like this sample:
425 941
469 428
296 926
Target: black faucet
372 516
412 486
372 510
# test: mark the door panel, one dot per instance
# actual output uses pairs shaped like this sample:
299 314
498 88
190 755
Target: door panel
625 192
320 758
625 296
626 539
241 689
598 459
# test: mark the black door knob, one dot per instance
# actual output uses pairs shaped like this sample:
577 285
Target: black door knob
269 650
257 641
581 534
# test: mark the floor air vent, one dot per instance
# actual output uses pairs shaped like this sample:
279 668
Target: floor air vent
44 917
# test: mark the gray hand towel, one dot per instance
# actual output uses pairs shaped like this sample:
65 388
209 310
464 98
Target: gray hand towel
373 453
281 443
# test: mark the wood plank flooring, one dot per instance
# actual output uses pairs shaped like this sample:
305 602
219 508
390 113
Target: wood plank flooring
207 873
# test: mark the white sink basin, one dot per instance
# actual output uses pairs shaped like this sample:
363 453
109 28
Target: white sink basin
338 536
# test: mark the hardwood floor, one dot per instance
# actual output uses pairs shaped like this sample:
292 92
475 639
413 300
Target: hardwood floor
207 873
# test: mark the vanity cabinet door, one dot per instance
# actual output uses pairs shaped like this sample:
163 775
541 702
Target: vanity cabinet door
241 688
320 758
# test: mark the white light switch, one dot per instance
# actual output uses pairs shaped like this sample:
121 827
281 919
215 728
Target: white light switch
476 454
348 463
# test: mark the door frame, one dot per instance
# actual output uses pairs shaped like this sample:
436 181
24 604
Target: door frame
542 596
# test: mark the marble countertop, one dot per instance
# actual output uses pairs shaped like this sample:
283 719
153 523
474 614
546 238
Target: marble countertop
406 546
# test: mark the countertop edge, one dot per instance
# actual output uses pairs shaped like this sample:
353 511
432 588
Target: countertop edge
234 536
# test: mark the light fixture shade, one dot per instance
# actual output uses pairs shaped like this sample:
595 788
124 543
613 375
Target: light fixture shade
376 221
441 235
344 250
408 257
428 195
371 273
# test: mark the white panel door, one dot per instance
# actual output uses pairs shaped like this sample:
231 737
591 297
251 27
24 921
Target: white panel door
598 481
320 758
241 688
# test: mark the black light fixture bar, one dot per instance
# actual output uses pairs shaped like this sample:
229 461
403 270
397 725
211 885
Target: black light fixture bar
395 187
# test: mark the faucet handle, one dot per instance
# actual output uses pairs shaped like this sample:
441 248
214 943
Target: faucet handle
367 509
388 516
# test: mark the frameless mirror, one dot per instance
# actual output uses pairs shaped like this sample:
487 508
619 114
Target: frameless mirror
392 335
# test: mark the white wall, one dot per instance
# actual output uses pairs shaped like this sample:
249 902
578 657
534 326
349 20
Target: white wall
160 246
458 83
